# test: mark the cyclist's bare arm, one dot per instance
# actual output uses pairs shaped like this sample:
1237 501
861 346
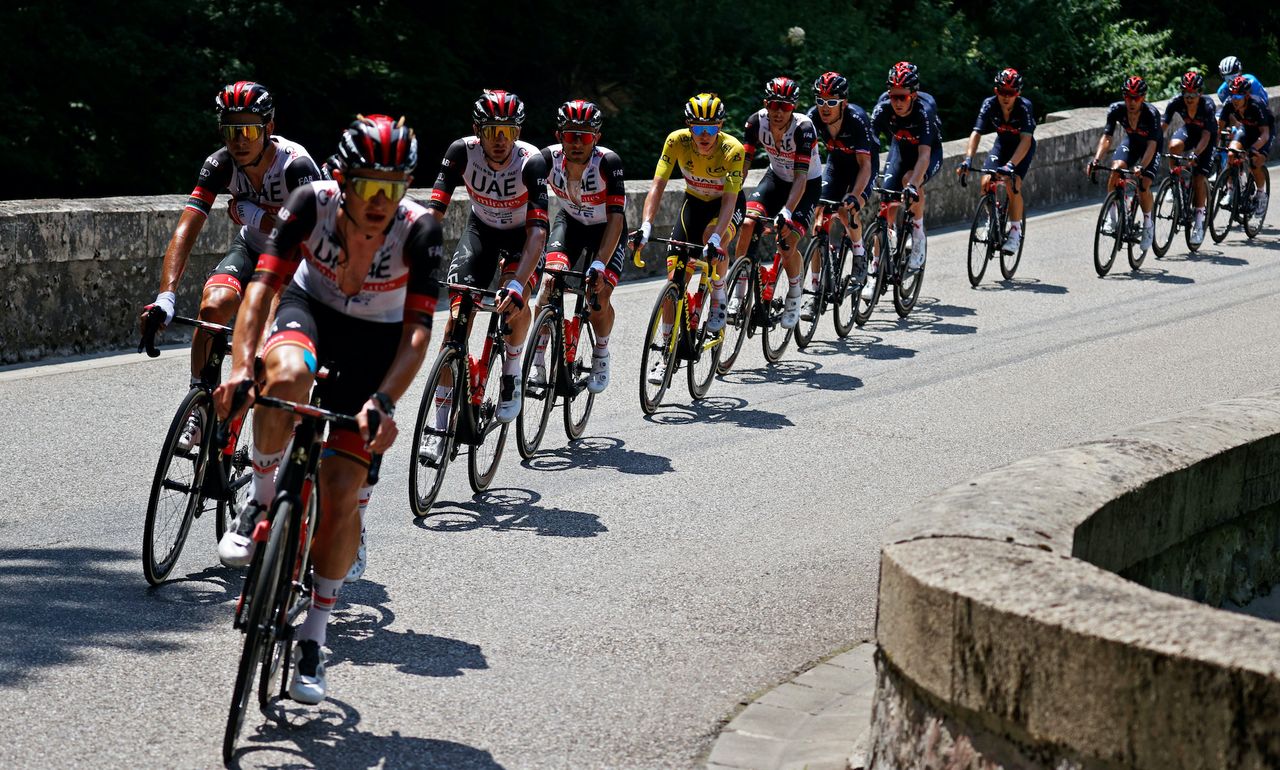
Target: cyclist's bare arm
1150 153
922 165
654 198
1024 146
972 148
725 217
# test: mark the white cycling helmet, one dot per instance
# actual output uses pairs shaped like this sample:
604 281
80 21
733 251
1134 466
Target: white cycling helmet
1230 67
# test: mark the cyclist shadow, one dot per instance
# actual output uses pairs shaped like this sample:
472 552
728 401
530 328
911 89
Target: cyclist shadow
869 346
328 735
929 315
597 452
58 605
1030 285
509 510
1154 274
210 586
791 372
726 409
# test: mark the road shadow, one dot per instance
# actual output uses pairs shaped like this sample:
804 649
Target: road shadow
57 604
791 372
1029 285
1148 273
863 344
210 586
729 409
328 736
509 509
929 315
600 452
1207 254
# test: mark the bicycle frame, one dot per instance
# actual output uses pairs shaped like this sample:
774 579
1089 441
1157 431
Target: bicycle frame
471 390
571 325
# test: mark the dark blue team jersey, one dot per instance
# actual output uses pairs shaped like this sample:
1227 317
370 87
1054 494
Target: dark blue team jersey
1147 129
1252 113
991 118
920 126
1205 118
855 133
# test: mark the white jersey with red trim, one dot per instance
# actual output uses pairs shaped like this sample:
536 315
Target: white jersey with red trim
798 142
599 191
504 198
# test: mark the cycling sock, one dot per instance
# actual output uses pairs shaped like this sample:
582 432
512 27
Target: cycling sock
362 501
664 329
1199 215
717 291
859 250
324 595
1146 218
602 346
264 474
444 405
1015 227
740 287
813 281
540 349
511 361
793 286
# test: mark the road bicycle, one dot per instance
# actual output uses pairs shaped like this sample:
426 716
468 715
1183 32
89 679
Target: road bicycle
471 407
186 483
688 339
837 279
1119 222
1175 205
277 586
1232 198
565 344
890 243
990 228
758 298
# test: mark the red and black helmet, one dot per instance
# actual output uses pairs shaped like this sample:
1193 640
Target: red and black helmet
904 74
1240 85
1193 81
831 84
782 89
380 143
1009 78
245 96
1134 86
580 115
497 107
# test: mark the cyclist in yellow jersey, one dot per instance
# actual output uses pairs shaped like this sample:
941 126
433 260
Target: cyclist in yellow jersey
712 164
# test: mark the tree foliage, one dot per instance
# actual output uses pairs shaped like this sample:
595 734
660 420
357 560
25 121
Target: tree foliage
110 99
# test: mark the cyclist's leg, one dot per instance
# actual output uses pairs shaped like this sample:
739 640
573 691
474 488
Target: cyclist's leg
1258 159
221 296
1200 179
1120 159
559 256
719 265
803 218
1146 198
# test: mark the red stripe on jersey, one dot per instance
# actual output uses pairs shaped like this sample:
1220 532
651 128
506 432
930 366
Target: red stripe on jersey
222 279
198 209
270 263
756 206
537 215
494 203
440 196
289 337
392 285
207 196
419 303
750 149
616 200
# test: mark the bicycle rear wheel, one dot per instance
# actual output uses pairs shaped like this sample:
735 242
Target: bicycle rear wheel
702 370
293 599
738 283
1223 199
578 401
907 290
1253 222
774 338
1009 262
1105 245
176 489
539 399
843 288
804 330
237 470
655 349
981 239
1167 213
427 468
877 240
482 461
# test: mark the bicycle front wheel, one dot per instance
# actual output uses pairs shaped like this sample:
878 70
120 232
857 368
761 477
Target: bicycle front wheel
176 489
877 240
702 369
774 338
539 397
658 357
435 431
1256 214
578 400
237 470
1106 244
844 275
741 297
805 329
482 461
982 236
1167 213
1136 233
292 599
1223 199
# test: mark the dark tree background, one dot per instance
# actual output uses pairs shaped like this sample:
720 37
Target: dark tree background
117 98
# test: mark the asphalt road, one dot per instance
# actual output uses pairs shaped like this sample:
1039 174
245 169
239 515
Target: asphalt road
608 604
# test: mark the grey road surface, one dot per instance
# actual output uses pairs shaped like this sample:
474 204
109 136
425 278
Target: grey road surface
607 604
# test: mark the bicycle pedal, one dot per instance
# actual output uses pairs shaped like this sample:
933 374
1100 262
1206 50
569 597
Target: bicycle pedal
261 531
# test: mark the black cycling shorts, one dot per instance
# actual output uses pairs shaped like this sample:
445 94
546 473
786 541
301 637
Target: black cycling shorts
1001 152
772 193
235 268
1131 157
902 159
1189 139
696 215
570 239
480 250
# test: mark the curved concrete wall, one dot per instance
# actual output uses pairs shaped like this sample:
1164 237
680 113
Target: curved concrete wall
1007 638
78 271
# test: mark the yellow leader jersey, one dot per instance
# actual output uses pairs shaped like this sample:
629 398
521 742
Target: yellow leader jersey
707 177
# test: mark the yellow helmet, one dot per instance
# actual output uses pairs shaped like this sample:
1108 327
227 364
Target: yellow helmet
704 108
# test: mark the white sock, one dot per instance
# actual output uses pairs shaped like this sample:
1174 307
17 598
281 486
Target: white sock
602 347
740 287
664 329
813 281
264 474
1015 227
540 350
444 405
793 286
324 596
511 361
717 291
1146 218
362 502
859 249
1199 216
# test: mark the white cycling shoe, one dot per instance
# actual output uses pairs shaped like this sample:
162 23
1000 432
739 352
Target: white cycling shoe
510 395
599 379
308 684
235 549
790 312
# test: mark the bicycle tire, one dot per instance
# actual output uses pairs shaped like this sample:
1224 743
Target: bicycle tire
701 371
263 585
804 330
1166 213
1224 195
844 277
158 562
907 288
773 338
1253 222
539 400
653 346
1189 218
291 603
483 459
877 240
1009 262
579 401
738 323
981 239
1102 242
427 476
1135 229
